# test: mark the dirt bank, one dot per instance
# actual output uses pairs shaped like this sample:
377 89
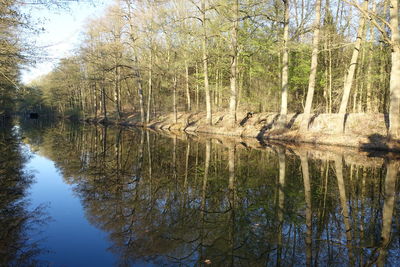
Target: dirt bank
362 131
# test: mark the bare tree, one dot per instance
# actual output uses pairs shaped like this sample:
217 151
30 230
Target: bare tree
285 67
352 67
394 110
234 62
314 65
205 61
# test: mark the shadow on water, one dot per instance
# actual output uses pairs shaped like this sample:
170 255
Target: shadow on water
170 200
18 222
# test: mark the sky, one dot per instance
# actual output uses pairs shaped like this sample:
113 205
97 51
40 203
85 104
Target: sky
62 33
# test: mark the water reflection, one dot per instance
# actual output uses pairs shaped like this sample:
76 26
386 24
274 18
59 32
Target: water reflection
18 223
172 200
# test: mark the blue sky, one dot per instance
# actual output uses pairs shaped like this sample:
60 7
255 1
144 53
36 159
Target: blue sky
62 32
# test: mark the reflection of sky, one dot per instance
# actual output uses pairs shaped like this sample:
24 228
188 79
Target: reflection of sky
62 32
72 241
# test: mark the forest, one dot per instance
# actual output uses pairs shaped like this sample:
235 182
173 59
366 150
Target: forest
152 57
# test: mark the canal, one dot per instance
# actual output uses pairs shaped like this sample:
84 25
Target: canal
85 195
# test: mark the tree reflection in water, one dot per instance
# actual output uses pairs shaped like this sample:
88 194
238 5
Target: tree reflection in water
193 201
17 222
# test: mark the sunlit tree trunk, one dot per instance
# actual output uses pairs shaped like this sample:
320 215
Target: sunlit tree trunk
150 92
285 67
352 67
197 89
96 101
118 56
117 91
358 99
314 65
189 103
234 62
136 61
104 100
216 87
174 99
140 94
394 109
205 63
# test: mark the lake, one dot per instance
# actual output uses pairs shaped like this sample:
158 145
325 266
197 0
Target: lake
85 195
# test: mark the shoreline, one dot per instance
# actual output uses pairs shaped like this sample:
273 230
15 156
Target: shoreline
362 131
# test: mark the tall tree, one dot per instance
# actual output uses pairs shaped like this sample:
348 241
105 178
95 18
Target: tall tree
352 67
314 65
285 66
234 61
205 61
394 110
151 53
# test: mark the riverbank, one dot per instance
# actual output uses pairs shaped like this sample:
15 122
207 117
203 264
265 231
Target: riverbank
349 155
362 131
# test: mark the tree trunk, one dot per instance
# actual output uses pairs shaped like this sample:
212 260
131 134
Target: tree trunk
103 99
189 105
216 87
394 115
234 61
150 86
140 94
96 102
116 91
314 65
174 100
137 71
285 66
352 68
371 62
360 81
205 63
197 89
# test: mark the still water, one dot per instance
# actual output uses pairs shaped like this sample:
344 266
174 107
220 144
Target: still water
81 195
